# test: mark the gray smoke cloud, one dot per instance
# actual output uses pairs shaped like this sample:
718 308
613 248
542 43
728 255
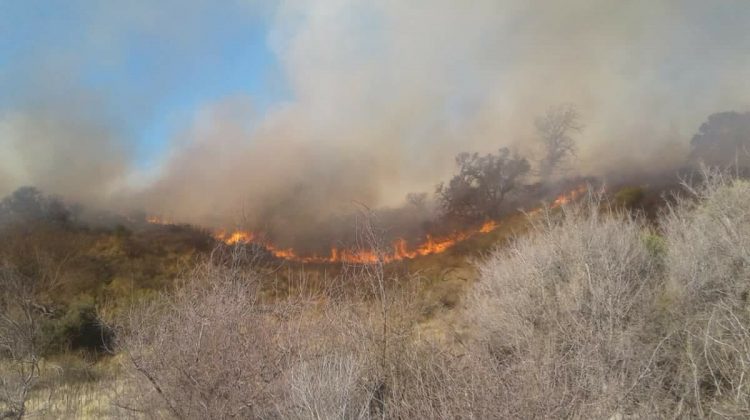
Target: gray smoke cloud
384 94
62 151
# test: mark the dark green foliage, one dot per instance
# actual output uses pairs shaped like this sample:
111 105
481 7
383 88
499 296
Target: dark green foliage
77 328
723 140
28 204
122 231
630 197
482 184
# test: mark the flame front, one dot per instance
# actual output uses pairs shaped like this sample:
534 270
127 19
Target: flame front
234 238
569 196
488 226
399 249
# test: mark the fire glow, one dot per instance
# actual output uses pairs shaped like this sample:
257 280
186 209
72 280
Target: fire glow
399 250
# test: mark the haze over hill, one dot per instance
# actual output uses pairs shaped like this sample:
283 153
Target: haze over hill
359 102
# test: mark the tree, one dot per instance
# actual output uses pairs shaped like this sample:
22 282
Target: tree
28 204
723 140
482 184
417 200
20 346
554 129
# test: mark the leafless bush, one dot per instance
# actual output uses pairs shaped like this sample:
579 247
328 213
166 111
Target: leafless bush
329 388
368 330
594 314
562 313
20 343
212 347
343 373
708 239
364 358
334 373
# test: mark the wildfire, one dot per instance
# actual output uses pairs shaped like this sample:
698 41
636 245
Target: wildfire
569 196
236 237
563 199
399 249
488 226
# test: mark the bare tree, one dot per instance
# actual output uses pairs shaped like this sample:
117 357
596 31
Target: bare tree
555 129
483 183
20 347
33 267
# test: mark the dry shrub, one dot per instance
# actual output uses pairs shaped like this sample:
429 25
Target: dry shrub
332 375
708 260
20 342
563 314
595 315
345 366
592 315
343 372
329 388
209 349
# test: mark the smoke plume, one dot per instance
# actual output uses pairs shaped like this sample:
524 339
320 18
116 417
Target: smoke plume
383 95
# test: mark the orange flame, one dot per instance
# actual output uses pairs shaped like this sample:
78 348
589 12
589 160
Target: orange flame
488 226
400 249
569 196
234 238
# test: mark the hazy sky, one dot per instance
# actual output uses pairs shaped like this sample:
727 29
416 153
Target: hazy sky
289 110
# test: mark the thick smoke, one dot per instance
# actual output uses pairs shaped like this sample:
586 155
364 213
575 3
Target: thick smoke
62 151
384 94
